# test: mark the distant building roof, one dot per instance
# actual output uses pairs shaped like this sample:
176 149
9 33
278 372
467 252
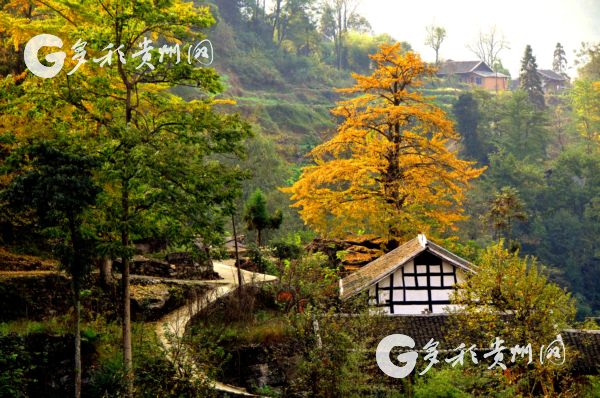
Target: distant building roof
457 67
550 74
388 263
490 74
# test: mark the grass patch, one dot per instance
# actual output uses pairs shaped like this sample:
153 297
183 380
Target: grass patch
54 325
255 319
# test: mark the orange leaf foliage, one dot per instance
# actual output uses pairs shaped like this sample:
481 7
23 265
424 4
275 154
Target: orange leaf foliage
391 168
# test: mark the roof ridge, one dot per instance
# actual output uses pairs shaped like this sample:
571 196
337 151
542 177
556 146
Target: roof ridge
391 261
475 67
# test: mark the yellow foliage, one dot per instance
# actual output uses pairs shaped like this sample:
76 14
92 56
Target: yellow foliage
391 168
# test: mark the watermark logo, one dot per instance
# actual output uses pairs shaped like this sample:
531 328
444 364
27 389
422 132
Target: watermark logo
32 48
384 349
553 353
194 53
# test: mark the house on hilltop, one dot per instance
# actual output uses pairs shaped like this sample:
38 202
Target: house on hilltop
476 73
415 278
552 82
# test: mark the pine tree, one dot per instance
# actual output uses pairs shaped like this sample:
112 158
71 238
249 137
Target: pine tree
530 79
559 63
257 217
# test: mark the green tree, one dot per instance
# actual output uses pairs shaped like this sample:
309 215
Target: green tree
559 60
521 127
361 45
567 228
589 61
338 17
160 154
56 183
530 80
434 39
504 209
294 21
585 98
467 115
257 217
510 297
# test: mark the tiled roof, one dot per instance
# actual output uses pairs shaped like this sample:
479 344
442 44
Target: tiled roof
585 344
388 263
490 74
421 328
550 74
454 67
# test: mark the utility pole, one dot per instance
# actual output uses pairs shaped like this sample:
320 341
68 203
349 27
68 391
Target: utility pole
237 255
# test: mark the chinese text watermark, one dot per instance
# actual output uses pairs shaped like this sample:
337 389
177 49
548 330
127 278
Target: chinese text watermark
146 57
553 353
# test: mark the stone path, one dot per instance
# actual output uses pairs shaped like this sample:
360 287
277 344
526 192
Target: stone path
171 328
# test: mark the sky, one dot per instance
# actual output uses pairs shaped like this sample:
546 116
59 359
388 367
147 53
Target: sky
540 23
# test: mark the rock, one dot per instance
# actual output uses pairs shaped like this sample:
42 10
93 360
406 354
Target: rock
141 265
255 366
180 258
150 298
261 374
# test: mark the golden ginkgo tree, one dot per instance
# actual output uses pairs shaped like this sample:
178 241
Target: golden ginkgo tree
391 168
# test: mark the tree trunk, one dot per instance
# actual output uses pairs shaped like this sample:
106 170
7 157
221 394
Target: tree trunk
339 40
106 277
77 342
276 34
127 351
76 274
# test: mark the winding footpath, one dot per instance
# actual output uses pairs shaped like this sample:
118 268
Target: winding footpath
171 327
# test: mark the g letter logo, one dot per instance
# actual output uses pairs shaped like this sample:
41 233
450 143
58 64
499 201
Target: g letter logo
384 350
31 55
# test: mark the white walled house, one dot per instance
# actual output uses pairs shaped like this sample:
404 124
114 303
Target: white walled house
415 278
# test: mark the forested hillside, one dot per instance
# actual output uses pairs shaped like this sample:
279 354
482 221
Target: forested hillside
282 68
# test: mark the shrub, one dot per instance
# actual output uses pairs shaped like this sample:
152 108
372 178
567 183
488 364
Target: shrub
286 249
15 364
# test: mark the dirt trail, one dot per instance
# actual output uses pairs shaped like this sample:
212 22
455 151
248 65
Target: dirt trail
171 327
